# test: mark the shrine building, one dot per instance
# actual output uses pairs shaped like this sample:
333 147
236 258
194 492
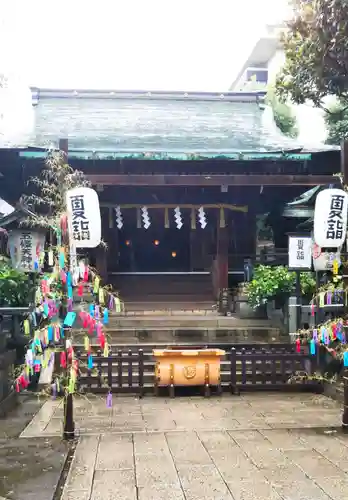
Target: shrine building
182 178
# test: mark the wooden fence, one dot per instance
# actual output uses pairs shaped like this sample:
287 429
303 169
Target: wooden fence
120 372
270 370
254 369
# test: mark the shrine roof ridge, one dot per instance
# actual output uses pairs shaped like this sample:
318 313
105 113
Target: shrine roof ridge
170 95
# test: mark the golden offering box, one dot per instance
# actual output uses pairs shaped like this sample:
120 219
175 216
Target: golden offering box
187 367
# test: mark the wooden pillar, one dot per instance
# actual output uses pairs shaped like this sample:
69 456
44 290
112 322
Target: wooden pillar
222 257
250 235
344 161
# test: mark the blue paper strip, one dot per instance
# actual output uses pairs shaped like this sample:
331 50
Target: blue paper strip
68 278
70 292
69 319
91 310
312 347
90 362
61 260
45 309
106 317
62 332
345 358
50 333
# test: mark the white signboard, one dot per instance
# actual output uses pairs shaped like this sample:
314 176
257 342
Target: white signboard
330 218
323 261
25 249
84 220
300 252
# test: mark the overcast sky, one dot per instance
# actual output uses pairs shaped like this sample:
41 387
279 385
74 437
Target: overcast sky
134 44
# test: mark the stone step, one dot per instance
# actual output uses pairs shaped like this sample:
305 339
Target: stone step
191 336
186 321
226 346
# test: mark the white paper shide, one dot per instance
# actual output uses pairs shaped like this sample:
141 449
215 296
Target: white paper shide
84 220
330 218
300 252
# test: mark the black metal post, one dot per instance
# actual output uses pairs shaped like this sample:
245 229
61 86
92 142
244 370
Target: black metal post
69 425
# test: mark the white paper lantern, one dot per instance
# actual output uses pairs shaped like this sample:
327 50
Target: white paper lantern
330 218
26 249
84 220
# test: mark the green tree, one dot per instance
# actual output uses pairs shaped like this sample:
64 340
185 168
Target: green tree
283 116
50 188
337 123
316 50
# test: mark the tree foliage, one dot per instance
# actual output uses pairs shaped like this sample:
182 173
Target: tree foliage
48 200
337 123
316 50
283 116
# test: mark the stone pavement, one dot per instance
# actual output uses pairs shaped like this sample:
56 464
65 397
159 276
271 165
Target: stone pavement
30 469
253 447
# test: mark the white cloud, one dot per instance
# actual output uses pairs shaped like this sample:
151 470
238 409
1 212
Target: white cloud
143 44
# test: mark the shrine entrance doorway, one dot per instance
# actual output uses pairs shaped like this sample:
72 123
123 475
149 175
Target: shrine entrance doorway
154 249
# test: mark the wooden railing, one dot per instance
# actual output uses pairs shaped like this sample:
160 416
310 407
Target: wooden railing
121 372
247 368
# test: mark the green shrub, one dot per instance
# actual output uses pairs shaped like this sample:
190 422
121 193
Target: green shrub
270 282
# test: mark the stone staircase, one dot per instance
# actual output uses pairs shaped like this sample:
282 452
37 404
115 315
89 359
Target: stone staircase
166 293
185 314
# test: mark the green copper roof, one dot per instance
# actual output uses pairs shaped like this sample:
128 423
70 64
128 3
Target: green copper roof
135 125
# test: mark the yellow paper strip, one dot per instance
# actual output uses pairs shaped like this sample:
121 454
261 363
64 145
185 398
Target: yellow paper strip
96 285
26 326
101 297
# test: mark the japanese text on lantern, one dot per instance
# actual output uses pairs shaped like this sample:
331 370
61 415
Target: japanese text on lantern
80 223
26 250
335 219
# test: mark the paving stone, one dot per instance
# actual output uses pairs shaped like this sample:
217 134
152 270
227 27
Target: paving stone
150 444
114 485
81 472
41 419
302 490
155 470
76 495
115 452
186 447
283 439
313 464
203 483
336 489
155 493
252 490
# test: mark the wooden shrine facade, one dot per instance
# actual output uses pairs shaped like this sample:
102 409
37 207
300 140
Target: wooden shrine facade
231 188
